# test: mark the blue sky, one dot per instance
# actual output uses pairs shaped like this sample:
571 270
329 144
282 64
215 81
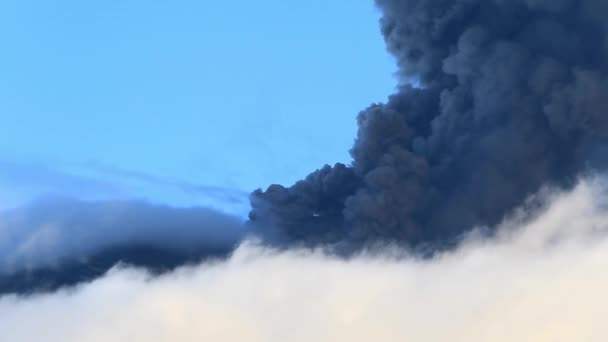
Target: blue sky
184 102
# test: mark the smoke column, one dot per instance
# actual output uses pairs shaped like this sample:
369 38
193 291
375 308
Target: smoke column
496 99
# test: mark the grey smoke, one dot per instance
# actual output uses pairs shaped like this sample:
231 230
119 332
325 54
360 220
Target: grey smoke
509 96
54 243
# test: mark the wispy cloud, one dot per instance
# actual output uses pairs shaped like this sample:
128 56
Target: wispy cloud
220 193
21 182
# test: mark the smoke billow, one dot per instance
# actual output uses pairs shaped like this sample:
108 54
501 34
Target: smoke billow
537 279
496 99
50 244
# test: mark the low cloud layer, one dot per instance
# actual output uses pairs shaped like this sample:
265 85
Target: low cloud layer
541 278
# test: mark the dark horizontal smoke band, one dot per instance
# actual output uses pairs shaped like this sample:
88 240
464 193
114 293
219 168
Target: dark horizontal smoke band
511 95
52 244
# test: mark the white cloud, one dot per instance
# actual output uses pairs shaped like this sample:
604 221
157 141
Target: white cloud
541 279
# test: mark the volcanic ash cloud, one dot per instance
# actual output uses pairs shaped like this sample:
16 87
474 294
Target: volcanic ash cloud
510 97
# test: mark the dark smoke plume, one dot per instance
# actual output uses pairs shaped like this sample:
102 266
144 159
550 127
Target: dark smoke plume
509 95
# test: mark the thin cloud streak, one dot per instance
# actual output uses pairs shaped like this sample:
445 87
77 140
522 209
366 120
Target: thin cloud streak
220 193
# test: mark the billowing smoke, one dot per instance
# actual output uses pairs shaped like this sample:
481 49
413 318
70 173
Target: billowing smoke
537 279
50 244
496 99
